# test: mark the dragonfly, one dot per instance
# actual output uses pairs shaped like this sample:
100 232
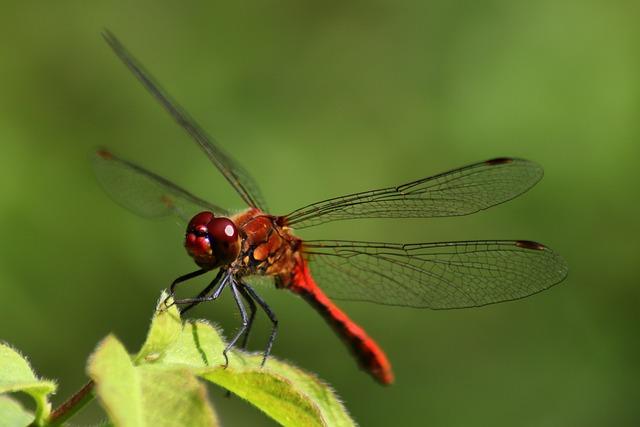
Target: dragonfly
253 242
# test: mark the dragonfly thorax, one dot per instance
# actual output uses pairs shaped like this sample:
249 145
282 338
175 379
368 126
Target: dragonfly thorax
212 241
267 247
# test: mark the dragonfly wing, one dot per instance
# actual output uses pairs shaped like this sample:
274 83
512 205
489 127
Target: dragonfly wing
237 176
145 193
260 281
459 192
434 275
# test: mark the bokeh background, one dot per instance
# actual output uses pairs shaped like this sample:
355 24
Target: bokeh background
319 99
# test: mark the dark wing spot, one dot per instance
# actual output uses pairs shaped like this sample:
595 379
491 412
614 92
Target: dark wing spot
499 161
527 244
104 154
167 201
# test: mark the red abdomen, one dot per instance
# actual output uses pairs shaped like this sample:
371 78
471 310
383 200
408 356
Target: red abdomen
369 355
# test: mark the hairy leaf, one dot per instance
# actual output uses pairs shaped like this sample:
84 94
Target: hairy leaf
16 375
147 395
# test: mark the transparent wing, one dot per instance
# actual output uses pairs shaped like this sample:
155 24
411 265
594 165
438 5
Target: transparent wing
459 192
260 281
145 193
239 178
434 275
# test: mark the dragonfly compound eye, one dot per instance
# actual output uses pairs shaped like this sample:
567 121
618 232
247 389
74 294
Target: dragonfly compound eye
197 241
224 239
212 241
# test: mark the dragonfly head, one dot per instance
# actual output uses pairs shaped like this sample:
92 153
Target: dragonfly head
212 241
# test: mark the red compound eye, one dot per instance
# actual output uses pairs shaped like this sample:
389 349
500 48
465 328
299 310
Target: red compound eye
212 241
200 222
224 239
223 230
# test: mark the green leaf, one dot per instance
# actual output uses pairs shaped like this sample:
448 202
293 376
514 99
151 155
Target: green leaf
285 393
16 375
146 395
333 411
117 384
159 386
165 329
278 397
12 413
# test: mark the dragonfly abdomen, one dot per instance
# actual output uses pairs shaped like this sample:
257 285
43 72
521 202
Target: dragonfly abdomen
370 356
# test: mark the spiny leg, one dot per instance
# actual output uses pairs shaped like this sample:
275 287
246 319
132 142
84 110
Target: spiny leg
245 321
181 279
270 314
201 297
252 315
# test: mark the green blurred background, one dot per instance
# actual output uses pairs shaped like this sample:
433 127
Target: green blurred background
319 99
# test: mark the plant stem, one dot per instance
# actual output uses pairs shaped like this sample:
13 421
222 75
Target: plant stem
72 405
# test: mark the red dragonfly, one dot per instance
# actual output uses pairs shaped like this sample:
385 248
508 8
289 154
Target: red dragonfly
442 275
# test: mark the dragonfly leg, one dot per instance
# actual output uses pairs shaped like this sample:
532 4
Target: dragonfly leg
270 314
202 296
252 315
181 279
245 321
